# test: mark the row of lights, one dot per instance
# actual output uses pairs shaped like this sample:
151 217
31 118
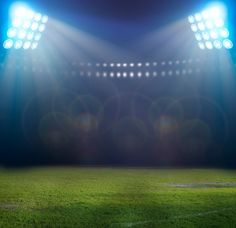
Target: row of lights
139 74
18 44
217 44
119 74
132 65
112 74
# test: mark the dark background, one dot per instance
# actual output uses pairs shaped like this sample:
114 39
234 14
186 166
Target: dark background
115 121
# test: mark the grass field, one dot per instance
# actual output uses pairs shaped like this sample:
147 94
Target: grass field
105 197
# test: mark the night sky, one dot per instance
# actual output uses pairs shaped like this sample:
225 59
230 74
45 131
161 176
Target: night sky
168 121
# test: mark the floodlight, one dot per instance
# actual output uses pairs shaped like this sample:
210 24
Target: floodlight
209 45
16 22
26 28
38 37
218 44
210 28
45 19
201 45
37 17
18 44
219 22
26 24
19 11
205 14
27 45
42 28
198 36
30 36
21 34
214 34
34 26
12 32
30 14
8 44
205 35
191 19
198 17
194 28
228 44
209 25
201 26
224 33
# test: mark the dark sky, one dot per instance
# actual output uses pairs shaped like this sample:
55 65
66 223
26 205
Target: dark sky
120 9
124 9
117 9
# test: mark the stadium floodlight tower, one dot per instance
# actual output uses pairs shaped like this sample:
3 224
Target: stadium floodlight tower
210 28
26 28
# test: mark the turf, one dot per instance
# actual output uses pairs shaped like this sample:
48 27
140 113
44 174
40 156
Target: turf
105 197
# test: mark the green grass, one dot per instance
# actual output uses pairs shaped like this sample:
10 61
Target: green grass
103 197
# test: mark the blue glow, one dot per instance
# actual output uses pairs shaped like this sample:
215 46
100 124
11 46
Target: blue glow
228 44
210 26
218 44
201 45
209 45
18 44
8 44
224 33
12 32
214 34
25 26
217 10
